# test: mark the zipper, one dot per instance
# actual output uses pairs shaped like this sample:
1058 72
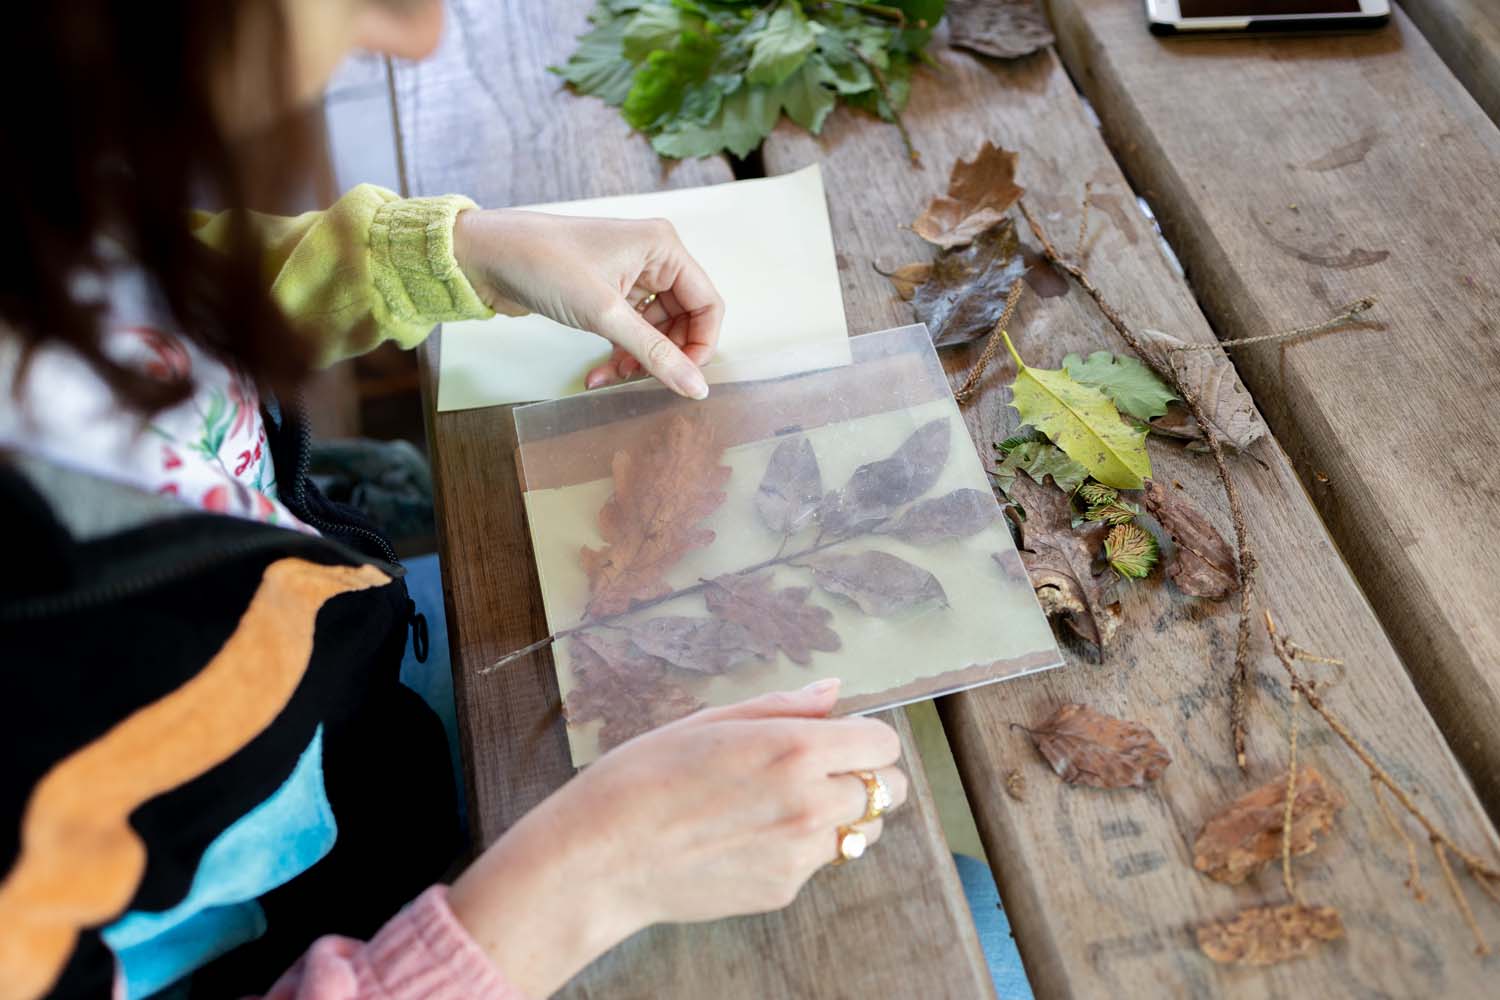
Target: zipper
299 493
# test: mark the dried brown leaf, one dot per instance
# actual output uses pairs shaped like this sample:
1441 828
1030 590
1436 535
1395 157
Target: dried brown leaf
775 619
1087 747
703 645
906 278
980 192
1203 563
964 294
877 489
1015 785
953 515
1011 566
881 584
1060 561
663 489
1265 935
1005 29
792 487
1246 834
631 691
1211 378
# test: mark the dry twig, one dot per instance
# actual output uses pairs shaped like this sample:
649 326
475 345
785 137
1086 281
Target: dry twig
1349 312
992 345
1291 799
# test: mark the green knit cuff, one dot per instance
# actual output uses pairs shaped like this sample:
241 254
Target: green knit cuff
412 262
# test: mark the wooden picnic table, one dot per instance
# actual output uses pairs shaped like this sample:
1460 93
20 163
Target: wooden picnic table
1346 167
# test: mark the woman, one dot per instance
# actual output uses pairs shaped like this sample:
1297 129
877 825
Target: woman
210 768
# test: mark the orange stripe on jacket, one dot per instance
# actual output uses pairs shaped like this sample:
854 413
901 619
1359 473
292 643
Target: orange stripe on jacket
80 861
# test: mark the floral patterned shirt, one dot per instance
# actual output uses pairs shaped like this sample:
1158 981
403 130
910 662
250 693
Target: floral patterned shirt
209 450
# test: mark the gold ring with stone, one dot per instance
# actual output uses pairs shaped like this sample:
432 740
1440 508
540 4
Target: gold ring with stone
878 798
852 844
641 305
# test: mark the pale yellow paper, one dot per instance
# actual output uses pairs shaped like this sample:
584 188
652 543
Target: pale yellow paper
765 243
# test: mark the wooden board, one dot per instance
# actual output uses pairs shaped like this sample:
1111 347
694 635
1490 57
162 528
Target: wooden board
1099 886
485 118
1466 33
1356 166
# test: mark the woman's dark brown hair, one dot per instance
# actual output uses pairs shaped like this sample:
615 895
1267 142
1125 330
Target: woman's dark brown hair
108 138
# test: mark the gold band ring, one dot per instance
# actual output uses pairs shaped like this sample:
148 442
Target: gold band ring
878 798
852 844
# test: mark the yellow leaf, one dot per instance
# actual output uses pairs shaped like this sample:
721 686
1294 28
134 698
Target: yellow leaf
1082 422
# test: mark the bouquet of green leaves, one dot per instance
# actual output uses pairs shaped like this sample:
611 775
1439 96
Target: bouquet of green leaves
704 76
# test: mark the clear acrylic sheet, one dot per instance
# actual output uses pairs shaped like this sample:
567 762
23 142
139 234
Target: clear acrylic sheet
831 523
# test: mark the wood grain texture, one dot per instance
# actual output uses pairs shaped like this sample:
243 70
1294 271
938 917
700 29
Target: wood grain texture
1356 166
1099 886
485 118
1466 33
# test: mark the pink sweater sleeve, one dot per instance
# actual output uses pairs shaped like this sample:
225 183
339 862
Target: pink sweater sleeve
423 953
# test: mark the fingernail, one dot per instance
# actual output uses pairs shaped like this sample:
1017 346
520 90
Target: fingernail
694 384
594 381
823 686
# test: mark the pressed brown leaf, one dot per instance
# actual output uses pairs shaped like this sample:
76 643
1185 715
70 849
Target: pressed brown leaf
1203 563
792 487
1060 561
631 691
1011 566
963 296
704 645
1087 747
1265 935
1006 29
876 489
980 192
662 490
775 619
880 583
1246 834
1210 376
958 514
906 278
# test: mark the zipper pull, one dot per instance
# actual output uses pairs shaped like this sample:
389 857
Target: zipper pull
418 623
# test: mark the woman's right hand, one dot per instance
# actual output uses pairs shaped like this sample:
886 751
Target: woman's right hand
726 812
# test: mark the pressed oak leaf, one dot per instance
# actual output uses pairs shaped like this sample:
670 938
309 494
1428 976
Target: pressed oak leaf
792 488
1265 935
881 584
703 645
876 489
663 488
1246 834
1060 561
1212 380
1203 564
775 619
962 296
631 691
1086 747
959 514
980 192
1005 29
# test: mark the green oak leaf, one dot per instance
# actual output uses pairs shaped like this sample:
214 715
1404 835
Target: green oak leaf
744 119
1133 386
1038 459
1081 421
781 47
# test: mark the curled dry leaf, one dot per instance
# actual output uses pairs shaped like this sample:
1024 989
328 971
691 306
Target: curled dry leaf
662 490
953 515
1086 747
1265 935
1203 564
1005 29
907 277
1210 376
792 487
980 192
881 584
775 619
1246 834
876 489
703 645
1060 560
631 691
963 295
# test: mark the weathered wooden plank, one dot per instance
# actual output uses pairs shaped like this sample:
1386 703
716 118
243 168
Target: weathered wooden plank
485 118
1466 33
1356 165
1099 886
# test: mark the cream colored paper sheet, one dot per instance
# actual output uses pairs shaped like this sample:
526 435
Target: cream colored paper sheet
766 244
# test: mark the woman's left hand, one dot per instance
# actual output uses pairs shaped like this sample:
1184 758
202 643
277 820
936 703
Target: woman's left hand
593 274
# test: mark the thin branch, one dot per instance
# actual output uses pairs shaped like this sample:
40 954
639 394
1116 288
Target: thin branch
1413 868
885 95
1350 311
1083 220
1245 559
1480 947
992 345
1291 800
